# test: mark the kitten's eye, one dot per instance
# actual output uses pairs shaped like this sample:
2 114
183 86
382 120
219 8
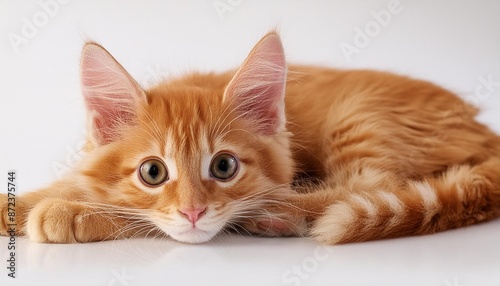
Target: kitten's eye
223 167
153 172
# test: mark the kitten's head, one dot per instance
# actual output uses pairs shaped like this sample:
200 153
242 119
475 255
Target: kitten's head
197 153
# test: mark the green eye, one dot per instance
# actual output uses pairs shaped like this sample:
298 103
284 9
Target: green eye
153 172
223 167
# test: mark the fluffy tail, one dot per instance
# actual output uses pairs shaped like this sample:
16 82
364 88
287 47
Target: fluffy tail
461 196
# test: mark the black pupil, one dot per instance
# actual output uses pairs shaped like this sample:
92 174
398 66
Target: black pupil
223 165
153 171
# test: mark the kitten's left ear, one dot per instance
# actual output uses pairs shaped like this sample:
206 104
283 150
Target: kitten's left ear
111 95
257 90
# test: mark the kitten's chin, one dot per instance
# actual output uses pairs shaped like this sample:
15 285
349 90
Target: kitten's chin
193 236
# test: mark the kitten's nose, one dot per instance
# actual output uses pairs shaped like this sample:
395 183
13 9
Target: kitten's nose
193 215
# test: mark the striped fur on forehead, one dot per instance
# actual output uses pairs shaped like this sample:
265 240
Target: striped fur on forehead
186 114
193 118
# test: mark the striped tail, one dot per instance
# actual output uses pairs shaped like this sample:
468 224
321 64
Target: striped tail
463 195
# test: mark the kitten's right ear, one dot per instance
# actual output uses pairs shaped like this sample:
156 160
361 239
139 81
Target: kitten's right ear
111 95
257 90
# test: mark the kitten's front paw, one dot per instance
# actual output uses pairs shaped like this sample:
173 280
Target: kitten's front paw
61 221
52 220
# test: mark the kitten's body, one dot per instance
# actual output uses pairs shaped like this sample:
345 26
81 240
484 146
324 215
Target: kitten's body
394 156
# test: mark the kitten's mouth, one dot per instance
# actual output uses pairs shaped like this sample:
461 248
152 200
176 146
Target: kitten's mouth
183 230
193 235
193 230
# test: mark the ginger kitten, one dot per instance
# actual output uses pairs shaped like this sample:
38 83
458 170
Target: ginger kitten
339 155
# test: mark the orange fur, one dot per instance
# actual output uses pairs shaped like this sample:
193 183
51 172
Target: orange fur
363 155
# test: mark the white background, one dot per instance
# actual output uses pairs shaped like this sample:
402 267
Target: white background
453 43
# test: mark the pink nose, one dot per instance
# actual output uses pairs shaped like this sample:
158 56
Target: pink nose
193 214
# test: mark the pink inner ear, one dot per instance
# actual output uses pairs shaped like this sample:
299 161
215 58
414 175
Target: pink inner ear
258 87
111 95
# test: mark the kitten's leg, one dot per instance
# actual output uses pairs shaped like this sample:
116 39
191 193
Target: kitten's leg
461 196
24 203
61 213
19 209
62 221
